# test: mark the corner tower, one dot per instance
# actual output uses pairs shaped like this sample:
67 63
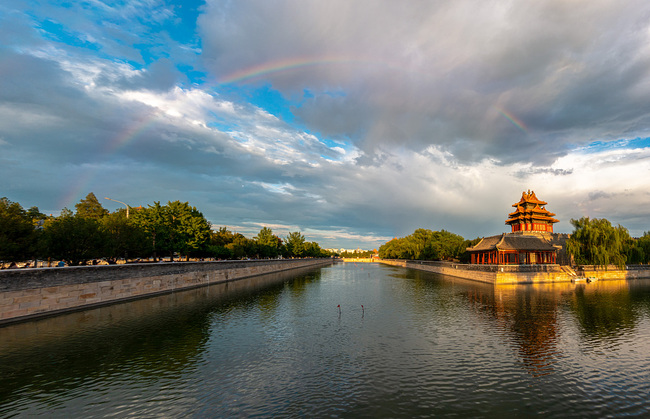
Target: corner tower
530 215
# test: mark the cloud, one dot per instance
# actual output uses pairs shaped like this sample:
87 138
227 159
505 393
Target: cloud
432 73
398 115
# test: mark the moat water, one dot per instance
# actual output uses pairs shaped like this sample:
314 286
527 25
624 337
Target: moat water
423 345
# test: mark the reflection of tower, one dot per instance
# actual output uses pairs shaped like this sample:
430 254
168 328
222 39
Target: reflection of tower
534 323
529 315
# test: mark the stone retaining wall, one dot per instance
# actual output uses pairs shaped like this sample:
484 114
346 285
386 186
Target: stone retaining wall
522 274
613 272
28 293
447 268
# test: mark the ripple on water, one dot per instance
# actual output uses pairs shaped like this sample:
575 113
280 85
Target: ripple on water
424 346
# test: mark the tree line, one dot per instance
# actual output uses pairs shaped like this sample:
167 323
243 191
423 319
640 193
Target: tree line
592 242
359 254
597 242
174 230
425 244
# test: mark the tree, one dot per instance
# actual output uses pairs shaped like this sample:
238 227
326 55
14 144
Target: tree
17 233
268 243
240 247
221 237
312 249
188 230
643 243
90 207
151 221
73 238
217 242
36 216
123 237
295 244
597 242
174 228
425 244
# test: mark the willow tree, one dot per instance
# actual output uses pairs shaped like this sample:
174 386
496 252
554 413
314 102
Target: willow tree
597 242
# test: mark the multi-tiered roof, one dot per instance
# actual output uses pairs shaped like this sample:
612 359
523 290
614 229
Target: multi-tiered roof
530 215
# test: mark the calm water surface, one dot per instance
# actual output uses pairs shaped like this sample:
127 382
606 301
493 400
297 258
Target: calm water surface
423 345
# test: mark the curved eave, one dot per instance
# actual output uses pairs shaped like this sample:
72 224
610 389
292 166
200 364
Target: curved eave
530 219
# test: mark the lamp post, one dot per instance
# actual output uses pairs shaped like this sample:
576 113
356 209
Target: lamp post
127 207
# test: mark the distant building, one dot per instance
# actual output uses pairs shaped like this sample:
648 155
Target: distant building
530 242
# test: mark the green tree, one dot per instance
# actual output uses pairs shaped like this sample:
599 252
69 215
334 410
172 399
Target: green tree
17 233
188 230
73 238
425 244
638 250
268 244
221 237
150 220
36 216
597 242
295 244
217 242
176 227
90 207
241 247
312 249
123 237
643 243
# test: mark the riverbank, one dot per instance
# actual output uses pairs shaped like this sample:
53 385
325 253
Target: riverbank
523 274
31 293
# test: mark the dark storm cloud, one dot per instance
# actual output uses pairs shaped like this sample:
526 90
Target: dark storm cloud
442 72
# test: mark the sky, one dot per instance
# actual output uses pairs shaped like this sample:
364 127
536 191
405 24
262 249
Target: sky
352 122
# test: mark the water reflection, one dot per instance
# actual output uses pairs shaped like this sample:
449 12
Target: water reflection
528 314
143 341
604 309
426 345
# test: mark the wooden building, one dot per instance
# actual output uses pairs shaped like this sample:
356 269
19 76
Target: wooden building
531 215
512 249
529 242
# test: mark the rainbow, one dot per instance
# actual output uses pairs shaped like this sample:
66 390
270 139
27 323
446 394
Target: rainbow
84 181
513 120
277 66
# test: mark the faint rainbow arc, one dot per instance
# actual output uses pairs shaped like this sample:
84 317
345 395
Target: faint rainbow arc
278 66
132 132
513 119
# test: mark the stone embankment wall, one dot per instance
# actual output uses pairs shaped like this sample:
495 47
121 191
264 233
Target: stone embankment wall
446 268
360 260
613 272
28 293
522 274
